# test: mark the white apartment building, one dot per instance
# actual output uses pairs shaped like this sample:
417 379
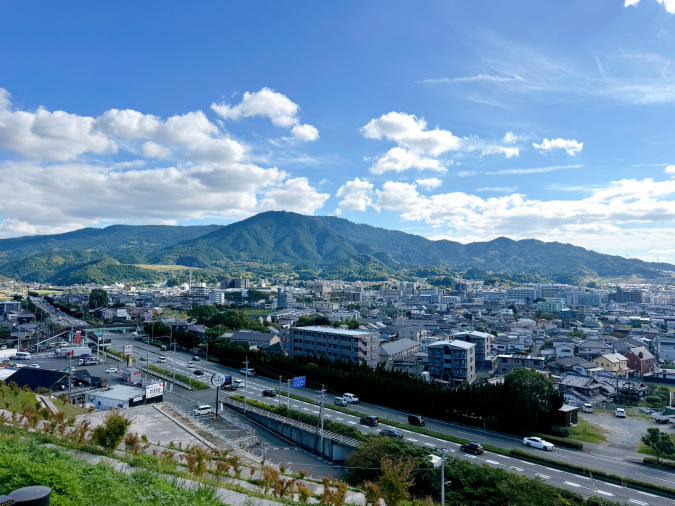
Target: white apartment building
217 297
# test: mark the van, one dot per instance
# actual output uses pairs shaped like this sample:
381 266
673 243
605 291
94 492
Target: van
202 409
351 398
587 407
162 348
416 420
161 360
340 401
247 372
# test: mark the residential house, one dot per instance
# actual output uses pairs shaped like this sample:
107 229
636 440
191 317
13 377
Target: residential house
567 364
614 363
563 349
641 360
591 349
261 340
398 350
507 363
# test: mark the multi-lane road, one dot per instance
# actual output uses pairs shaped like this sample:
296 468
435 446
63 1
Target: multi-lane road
610 461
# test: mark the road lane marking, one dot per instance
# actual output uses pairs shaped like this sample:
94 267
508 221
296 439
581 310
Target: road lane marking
653 478
571 484
639 503
645 493
493 462
543 476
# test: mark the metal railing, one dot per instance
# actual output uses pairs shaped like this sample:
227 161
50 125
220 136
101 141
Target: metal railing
238 423
294 423
241 444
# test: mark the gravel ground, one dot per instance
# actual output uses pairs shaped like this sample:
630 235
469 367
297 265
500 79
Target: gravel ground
623 432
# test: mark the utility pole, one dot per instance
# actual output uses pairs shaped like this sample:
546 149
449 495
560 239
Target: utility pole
444 453
147 351
279 391
174 367
288 394
323 392
246 387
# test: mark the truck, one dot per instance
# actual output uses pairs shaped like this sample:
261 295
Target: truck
87 361
74 352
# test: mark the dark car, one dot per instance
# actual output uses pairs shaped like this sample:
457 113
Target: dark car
372 421
416 420
199 372
472 447
269 393
196 358
229 388
392 433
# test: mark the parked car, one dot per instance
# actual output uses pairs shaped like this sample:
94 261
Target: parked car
587 407
228 388
472 447
416 420
34 366
392 433
537 442
203 409
199 372
111 369
351 398
269 393
372 421
190 365
340 401
620 413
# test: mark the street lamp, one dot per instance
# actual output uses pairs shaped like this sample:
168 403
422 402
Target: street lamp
444 453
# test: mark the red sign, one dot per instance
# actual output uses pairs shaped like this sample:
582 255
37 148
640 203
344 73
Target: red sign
78 337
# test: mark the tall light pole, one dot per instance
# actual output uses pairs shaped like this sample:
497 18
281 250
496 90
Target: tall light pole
173 388
288 394
246 387
279 391
323 391
444 453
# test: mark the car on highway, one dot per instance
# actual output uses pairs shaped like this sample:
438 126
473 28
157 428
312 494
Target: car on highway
229 388
372 421
111 369
340 401
392 433
196 358
472 447
620 413
34 366
143 359
161 360
199 372
351 398
537 442
190 365
269 393
239 383
416 420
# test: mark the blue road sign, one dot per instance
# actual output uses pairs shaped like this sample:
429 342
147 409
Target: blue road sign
299 382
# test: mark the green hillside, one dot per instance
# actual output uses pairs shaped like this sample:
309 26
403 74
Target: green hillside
300 246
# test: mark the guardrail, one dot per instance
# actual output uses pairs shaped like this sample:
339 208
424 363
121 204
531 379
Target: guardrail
294 423
237 444
238 423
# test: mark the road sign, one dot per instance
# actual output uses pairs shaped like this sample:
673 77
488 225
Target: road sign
217 379
299 381
128 349
78 337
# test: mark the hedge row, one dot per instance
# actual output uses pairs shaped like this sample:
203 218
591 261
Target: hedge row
197 385
569 443
664 463
599 475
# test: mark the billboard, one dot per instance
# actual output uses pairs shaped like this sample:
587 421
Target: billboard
299 381
128 349
154 390
78 337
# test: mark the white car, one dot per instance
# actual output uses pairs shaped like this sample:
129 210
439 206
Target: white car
537 442
351 398
203 409
34 366
620 413
190 365
238 382
111 369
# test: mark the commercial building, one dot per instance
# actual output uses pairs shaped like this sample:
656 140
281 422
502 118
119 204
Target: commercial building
621 296
452 361
125 396
336 344
523 294
235 283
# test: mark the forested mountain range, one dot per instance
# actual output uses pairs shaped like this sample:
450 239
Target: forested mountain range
298 245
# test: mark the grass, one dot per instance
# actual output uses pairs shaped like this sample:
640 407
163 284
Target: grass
16 401
646 450
197 385
587 432
119 354
256 312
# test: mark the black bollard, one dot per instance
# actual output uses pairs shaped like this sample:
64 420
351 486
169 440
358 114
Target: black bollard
31 496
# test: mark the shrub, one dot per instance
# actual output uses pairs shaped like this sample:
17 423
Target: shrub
559 431
112 432
653 399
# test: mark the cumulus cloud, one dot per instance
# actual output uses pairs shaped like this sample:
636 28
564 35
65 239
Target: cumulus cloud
571 146
212 180
356 195
430 183
281 110
670 169
668 4
400 159
507 152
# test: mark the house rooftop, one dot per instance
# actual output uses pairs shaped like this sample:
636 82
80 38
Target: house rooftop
331 330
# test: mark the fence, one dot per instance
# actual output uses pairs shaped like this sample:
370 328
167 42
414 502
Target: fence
238 423
294 423
242 443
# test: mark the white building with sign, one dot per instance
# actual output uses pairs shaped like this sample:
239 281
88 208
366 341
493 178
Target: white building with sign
125 396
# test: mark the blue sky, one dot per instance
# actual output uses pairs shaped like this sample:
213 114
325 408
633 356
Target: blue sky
458 120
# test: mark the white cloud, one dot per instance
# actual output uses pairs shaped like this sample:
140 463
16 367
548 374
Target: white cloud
670 169
411 132
471 79
536 170
153 150
668 4
277 107
294 195
466 173
356 194
430 183
305 132
498 189
400 159
507 152
571 146
510 138
49 135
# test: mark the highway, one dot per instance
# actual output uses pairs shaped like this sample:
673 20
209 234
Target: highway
606 462
56 315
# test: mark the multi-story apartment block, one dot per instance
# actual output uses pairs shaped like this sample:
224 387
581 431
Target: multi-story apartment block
551 305
484 359
453 361
336 344
408 288
285 300
354 297
7 306
524 294
217 297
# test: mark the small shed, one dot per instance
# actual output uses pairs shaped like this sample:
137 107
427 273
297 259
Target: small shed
568 415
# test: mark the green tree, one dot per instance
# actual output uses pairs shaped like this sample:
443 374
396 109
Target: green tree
395 480
111 433
308 321
659 442
202 314
532 397
98 298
